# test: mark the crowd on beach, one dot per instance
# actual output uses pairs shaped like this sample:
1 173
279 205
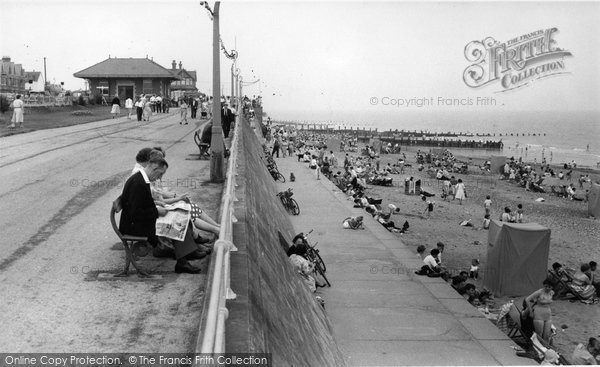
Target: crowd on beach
354 173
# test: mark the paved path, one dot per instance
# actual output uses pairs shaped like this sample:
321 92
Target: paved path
56 193
382 313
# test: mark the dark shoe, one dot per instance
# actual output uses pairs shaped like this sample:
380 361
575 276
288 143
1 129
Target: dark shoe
186 267
206 249
196 255
200 240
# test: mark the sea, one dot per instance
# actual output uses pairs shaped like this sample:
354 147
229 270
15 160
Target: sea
559 137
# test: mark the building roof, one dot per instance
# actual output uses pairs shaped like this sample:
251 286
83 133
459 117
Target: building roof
121 68
32 75
182 73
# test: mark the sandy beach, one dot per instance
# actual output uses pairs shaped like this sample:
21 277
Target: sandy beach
574 236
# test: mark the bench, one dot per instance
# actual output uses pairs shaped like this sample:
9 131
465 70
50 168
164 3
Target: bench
203 147
131 243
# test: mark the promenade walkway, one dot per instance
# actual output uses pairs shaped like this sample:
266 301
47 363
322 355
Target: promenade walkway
381 312
57 190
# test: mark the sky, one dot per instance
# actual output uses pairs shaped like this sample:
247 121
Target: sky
320 58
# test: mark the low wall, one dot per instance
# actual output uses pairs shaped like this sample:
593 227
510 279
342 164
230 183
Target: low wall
274 312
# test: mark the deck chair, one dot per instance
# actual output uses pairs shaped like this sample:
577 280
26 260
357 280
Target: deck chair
581 293
518 329
129 242
539 348
202 147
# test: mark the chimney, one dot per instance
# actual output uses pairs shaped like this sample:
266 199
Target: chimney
179 64
174 65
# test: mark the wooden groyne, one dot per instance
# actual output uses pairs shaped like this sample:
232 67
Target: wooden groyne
404 137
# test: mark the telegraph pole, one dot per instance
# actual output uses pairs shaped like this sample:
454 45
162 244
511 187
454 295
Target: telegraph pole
217 171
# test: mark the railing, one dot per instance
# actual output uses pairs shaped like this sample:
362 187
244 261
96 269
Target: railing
213 340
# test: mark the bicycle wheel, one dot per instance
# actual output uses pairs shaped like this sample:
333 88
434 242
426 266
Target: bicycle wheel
283 201
295 208
318 260
322 273
287 205
279 177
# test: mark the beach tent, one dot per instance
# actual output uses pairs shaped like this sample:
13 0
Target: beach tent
497 163
517 258
594 200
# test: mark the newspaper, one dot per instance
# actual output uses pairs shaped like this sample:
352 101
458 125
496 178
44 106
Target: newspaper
174 224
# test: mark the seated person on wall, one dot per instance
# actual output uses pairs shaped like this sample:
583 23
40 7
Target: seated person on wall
459 282
475 297
432 268
139 214
297 255
353 222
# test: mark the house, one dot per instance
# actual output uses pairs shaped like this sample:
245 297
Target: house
12 77
127 77
186 85
34 82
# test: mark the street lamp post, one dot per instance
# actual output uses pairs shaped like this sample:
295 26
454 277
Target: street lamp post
217 170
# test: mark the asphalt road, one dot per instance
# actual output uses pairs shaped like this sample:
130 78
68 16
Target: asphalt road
55 198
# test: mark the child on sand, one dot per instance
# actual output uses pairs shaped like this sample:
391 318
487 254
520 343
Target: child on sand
520 213
486 221
429 207
474 269
487 204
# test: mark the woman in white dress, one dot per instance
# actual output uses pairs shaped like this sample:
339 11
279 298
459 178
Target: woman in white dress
17 117
460 191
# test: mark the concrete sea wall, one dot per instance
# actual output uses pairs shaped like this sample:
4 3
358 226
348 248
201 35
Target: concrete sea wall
274 311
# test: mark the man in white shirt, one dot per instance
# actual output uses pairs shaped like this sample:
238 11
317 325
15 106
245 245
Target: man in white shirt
159 104
17 117
153 103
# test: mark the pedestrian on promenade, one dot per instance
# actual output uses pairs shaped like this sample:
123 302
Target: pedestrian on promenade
276 145
153 103
139 107
18 110
194 107
129 107
116 106
183 107
159 102
147 109
226 119
204 109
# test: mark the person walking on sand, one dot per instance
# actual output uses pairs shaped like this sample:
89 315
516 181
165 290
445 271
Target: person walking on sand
18 110
129 107
116 106
487 204
460 191
183 107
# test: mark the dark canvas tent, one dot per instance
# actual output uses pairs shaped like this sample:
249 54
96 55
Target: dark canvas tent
497 163
517 258
594 200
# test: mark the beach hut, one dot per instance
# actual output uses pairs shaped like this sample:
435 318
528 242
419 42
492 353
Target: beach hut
594 200
517 258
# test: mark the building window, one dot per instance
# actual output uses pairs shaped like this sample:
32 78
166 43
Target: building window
147 86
